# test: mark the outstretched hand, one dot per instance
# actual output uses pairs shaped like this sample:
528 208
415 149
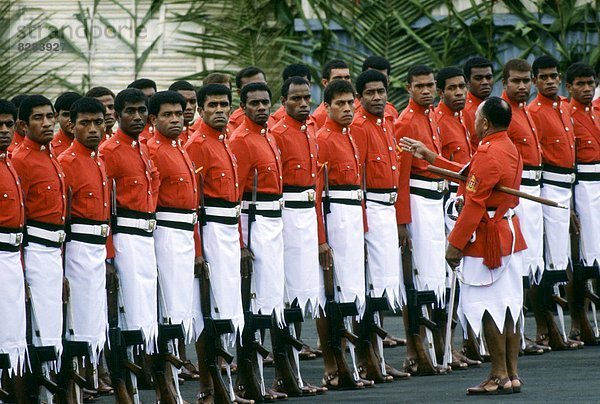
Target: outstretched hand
417 149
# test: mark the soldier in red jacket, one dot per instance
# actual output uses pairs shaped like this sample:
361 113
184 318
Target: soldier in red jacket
64 137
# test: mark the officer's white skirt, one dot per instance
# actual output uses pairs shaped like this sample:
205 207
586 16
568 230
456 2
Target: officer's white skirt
175 252
383 255
531 218
346 239
303 274
557 241
44 274
428 237
135 263
587 206
85 268
478 294
268 279
222 249
12 310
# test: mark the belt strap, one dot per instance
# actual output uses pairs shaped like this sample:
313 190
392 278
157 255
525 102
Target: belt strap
353 195
387 198
588 168
557 177
304 196
263 205
147 225
188 218
222 212
13 239
101 230
56 236
437 186
535 175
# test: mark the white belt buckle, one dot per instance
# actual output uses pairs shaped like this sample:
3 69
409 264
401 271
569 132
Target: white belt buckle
194 218
62 235
18 239
572 178
440 186
151 225
238 211
104 230
359 195
538 175
393 197
311 194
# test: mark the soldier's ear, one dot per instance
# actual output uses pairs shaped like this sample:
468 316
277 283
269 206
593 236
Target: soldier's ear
152 119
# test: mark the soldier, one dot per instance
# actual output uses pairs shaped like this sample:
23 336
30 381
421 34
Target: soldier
333 70
87 228
136 178
107 98
553 122
19 134
496 300
64 137
295 136
421 213
245 76
581 80
516 78
12 305
217 78
148 87
210 151
188 91
293 70
382 65
42 180
479 73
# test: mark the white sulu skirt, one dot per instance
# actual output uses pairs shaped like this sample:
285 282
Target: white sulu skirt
175 252
303 274
587 206
135 263
85 268
12 311
383 255
531 218
557 240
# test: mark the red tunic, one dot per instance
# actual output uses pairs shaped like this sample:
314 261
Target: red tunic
235 119
195 125
553 121
60 143
17 140
85 174
418 123
128 163
596 104
43 182
147 133
586 125
279 114
456 139
12 211
255 148
496 162
523 133
471 106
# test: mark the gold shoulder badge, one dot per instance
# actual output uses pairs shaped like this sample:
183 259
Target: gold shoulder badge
472 183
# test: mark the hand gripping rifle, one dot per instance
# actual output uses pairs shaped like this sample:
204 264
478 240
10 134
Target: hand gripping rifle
335 311
213 328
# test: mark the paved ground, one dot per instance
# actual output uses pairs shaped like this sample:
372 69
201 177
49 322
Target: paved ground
550 378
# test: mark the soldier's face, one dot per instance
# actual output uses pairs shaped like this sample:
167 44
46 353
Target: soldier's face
169 120
518 86
257 78
215 111
454 94
547 82
109 103
337 74
374 98
133 118
341 109
582 89
191 100
64 121
41 124
89 128
481 124
7 128
481 82
258 107
385 72
297 104
421 89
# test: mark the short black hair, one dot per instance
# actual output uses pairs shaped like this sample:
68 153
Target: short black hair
333 64
337 87
129 95
369 76
417 70
377 63
97 92
29 103
65 100
544 62
515 65
18 99
296 69
7 107
245 73
182 85
250 87
497 112
212 89
446 73
579 69
296 80
476 62
140 84
86 105
165 97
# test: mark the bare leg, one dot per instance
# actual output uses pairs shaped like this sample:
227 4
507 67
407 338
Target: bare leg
496 342
328 356
512 344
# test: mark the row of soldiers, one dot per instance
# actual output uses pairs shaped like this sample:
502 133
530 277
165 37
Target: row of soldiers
217 228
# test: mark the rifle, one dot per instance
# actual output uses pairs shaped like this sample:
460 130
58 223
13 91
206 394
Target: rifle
213 328
336 311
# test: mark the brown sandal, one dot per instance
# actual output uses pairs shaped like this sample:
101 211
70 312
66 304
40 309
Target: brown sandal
516 383
486 387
